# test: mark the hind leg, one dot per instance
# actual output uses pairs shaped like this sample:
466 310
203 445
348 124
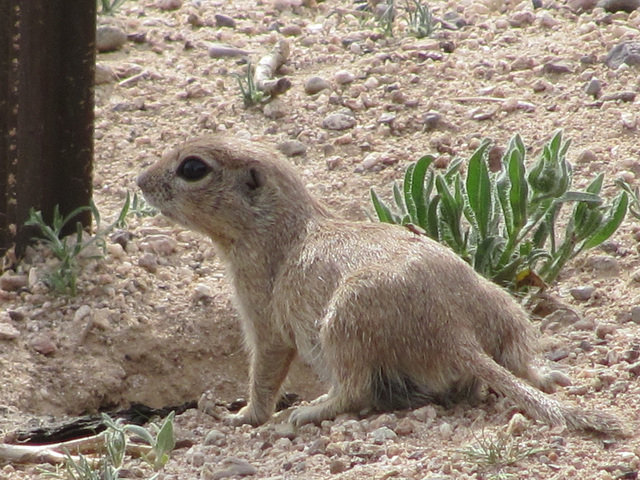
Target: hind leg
352 342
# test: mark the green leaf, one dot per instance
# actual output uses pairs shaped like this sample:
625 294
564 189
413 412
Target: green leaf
487 250
453 168
407 186
589 198
555 144
417 189
141 432
479 189
383 212
397 197
433 222
616 215
596 186
451 213
518 194
165 440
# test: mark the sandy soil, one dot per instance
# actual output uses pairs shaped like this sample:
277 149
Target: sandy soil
153 322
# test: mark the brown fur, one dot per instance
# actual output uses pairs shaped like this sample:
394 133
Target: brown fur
388 318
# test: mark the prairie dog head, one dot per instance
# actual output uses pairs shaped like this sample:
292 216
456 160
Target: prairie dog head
226 188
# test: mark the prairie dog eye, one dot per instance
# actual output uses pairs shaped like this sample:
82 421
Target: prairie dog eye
193 168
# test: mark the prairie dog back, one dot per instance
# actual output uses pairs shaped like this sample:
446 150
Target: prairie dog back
390 319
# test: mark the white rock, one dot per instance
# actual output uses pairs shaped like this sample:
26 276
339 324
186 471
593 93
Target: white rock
446 430
371 83
547 20
8 332
81 313
371 160
159 244
343 77
382 434
629 121
116 250
517 425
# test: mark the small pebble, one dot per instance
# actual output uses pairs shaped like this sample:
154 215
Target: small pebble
387 118
446 431
315 85
149 262
634 369
406 426
605 329
333 162
547 20
159 244
195 20
625 52
586 156
232 467
276 109
291 31
219 50
225 21
43 344
11 282
586 324
292 148
337 466
343 77
517 425
635 315
169 4
215 437
556 68
104 74
604 264
198 458
522 19
523 63
285 430
582 293
431 120
201 292
8 332
371 161
557 355
629 121
81 313
338 121
582 5
593 87
619 5
624 96
109 38
382 434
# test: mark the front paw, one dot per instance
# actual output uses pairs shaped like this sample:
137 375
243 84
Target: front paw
246 415
308 414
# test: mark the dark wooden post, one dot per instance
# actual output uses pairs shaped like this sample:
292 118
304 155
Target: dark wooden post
47 65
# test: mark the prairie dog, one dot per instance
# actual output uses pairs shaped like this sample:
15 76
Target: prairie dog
388 318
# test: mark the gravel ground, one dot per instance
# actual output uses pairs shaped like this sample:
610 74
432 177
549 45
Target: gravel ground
153 321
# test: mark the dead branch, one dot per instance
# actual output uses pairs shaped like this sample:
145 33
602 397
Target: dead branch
55 453
266 69
52 453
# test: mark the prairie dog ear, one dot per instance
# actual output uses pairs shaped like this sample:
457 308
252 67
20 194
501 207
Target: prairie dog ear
254 180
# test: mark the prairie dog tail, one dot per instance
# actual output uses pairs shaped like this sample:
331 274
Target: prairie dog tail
537 404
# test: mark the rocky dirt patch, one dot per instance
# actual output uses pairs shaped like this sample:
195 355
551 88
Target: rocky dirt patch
153 321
